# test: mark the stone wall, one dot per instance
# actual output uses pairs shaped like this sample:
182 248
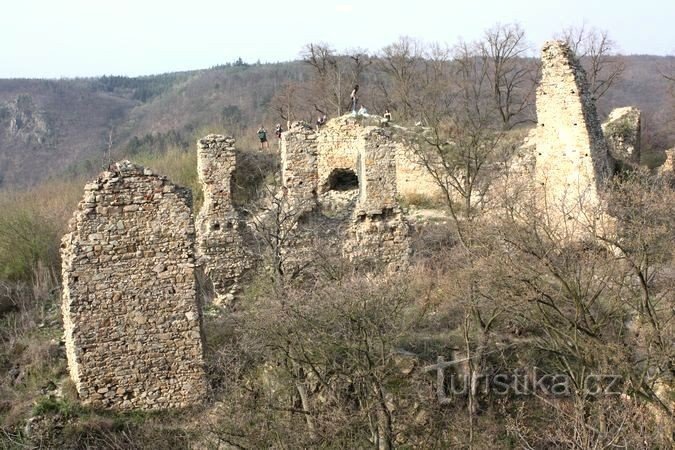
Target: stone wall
622 131
220 232
130 311
377 171
668 166
383 238
366 219
342 140
299 162
572 161
412 177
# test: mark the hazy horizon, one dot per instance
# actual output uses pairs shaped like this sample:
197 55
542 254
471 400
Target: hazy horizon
73 39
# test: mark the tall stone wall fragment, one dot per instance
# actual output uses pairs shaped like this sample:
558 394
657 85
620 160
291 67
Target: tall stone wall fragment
220 243
622 131
572 161
130 311
377 171
299 163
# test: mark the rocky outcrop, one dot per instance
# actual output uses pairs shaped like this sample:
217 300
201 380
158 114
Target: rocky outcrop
130 311
21 119
622 132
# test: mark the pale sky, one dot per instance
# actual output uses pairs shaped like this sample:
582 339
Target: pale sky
69 38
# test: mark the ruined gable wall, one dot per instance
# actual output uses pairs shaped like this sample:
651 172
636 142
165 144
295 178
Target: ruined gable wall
220 243
572 157
130 310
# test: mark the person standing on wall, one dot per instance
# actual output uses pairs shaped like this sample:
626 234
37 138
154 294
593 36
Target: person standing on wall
386 118
262 135
354 98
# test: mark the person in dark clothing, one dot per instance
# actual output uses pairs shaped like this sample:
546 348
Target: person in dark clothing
320 121
354 98
262 135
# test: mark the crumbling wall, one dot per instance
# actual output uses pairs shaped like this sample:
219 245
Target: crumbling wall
377 171
366 222
220 241
668 166
299 162
342 140
412 176
339 143
130 309
622 131
572 161
373 239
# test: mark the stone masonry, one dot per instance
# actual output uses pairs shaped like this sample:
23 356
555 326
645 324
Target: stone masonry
622 131
299 162
347 172
130 311
668 166
339 145
572 161
220 243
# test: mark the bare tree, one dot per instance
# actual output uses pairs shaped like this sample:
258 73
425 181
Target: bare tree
510 70
400 61
289 102
334 76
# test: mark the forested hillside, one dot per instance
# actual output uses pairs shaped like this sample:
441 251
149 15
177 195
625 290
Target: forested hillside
49 128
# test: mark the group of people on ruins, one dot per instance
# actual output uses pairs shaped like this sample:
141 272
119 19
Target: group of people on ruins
321 120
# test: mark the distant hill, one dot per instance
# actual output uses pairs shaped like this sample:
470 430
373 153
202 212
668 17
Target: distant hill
51 128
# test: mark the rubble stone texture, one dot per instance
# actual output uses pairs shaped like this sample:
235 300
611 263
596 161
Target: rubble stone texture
299 162
130 311
220 243
341 141
622 131
412 177
572 160
347 172
668 166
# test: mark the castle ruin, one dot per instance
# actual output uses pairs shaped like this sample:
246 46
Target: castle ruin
130 311
130 305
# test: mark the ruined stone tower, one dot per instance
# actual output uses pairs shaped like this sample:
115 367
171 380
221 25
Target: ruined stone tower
130 311
347 172
572 161
219 230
